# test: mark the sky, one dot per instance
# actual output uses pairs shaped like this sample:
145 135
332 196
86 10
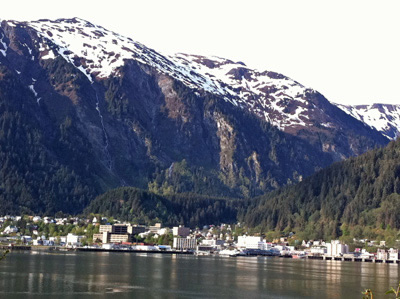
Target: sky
347 50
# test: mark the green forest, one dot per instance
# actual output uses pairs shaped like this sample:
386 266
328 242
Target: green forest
359 197
143 207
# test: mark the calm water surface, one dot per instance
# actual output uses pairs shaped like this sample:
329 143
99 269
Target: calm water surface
127 275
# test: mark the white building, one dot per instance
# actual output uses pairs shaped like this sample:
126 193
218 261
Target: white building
318 250
37 242
48 220
36 219
393 254
381 254
73 240
185 243
26 239
250 242
10 229
335 248
214 244
164 231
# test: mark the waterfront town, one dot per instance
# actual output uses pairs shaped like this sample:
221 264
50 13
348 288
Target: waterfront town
101 234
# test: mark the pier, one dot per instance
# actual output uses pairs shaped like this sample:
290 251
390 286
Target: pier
134 251
352 259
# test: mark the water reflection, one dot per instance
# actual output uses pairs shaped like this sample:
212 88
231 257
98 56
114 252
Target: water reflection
104 274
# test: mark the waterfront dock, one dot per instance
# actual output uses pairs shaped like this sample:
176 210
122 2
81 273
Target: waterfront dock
352 259
170 252
133 251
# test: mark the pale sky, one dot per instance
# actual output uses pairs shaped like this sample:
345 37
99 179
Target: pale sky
347 50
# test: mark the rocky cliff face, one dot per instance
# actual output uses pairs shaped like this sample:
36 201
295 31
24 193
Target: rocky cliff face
107 111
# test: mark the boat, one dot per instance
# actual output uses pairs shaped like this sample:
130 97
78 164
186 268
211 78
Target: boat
202 252
227 252
299 256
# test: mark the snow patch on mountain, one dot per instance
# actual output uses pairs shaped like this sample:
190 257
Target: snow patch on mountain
4 46
264 93
385 118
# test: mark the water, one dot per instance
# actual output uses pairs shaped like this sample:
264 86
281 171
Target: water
130 275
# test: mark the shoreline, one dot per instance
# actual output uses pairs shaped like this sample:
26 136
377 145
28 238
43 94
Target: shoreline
171 252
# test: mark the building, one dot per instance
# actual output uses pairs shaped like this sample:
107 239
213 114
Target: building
181 231
119 238
74 240
217 243
120 229
11 229
393 254
185 243
36 219
210 245
105 228
137 229
98 237
117 233
26 239
37 242
318 250
250 242
381 254
212 242
63 240
335 248
155 228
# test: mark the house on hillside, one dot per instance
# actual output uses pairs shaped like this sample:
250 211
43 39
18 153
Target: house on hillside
11 229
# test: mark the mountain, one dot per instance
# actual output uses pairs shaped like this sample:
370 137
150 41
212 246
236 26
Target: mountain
385 118
84 110
362 193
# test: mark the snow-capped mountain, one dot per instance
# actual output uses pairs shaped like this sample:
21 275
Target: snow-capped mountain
84 109
385 118
99 53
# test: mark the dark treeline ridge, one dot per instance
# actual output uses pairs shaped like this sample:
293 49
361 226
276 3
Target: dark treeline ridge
358 195
144 207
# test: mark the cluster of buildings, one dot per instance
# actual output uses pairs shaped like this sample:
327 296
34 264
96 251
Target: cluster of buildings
45 220
204 242
32 235
209 240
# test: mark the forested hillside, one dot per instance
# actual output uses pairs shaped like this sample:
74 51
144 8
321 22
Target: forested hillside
31 177
143 207
357 195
